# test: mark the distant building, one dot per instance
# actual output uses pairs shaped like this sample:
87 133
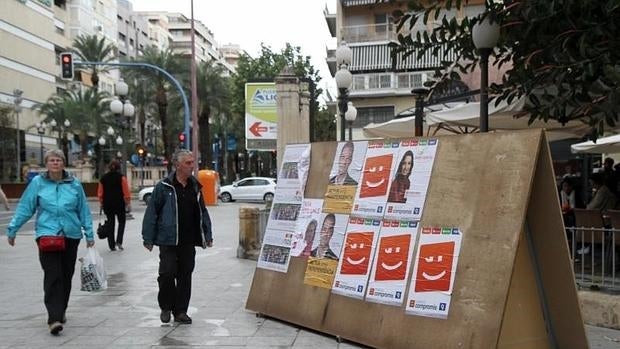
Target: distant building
133 35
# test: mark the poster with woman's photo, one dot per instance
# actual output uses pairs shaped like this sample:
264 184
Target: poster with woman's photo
326 250
344 177
410 179
293 173
372 191
354 265
306 230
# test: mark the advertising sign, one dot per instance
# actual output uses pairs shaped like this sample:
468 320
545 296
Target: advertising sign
261 116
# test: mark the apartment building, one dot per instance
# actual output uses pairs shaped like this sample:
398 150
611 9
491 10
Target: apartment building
133 35
231 54
158 28
32 35
381 87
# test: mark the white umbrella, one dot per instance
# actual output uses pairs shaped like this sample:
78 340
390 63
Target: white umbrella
610 144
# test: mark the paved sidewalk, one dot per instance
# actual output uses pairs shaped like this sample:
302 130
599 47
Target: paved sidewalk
126 315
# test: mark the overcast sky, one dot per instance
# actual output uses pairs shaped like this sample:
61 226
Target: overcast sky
250 22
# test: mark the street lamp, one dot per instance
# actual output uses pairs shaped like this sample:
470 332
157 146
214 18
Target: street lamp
344 78
122 108
350 116
41 131
17 101
485 35
62 135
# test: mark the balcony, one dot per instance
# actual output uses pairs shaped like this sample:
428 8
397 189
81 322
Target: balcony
369 33
387 84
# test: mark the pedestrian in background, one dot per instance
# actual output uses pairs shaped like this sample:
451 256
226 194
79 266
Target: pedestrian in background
115 199
62 209
176 220
4 199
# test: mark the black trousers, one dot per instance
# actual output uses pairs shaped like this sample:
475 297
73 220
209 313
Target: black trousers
176 264
58 268
121 216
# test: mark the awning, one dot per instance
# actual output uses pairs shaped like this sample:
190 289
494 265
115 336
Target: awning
610 144
378 57
464 118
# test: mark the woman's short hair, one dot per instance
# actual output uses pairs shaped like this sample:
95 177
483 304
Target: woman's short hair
57 153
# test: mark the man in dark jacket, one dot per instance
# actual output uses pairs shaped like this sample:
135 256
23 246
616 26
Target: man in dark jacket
177 199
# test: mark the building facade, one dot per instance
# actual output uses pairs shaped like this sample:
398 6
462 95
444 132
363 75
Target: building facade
133 35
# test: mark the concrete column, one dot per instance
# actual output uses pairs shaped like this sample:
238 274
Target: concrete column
293 111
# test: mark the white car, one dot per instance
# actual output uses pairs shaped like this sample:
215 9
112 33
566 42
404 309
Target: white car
145 194
250 188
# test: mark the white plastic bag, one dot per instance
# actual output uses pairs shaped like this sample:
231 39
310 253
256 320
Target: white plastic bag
92 271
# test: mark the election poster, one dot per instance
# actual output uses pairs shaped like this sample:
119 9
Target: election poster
326 250
306 228
344 177
354 264
434 271
283 215
372 191
293 173
390 268
275 252
411 178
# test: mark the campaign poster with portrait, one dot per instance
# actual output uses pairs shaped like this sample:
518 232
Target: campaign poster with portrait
434 272
307 228
275 252
344 177
411 178
293 173
372 191
326 249
354 264
390 268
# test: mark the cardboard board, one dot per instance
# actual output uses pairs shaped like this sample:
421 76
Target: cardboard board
514 286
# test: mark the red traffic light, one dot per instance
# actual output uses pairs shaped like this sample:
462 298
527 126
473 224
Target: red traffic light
66 59
66 65
181 137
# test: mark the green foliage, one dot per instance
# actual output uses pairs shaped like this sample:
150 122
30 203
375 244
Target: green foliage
562 55
93 49
6 115
324 125
266 67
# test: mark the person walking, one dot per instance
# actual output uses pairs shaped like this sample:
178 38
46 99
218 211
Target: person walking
177 220
115 199
62 209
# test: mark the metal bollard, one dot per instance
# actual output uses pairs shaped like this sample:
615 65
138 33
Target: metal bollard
249 242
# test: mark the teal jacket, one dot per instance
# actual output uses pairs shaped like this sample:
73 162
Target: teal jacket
159 226
61 208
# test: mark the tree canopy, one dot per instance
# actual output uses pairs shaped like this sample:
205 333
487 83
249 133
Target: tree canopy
562 55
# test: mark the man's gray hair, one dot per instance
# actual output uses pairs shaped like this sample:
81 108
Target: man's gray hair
179 154
55 153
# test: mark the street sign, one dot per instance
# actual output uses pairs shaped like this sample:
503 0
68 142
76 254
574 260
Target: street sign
261 144
261 115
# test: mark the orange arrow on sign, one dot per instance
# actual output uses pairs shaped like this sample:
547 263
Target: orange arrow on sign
256 129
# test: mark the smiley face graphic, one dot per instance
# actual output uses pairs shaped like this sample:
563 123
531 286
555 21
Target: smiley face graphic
393 257
356 255
376 175
435 267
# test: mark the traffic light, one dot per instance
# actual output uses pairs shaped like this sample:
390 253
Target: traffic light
181 139
66 65
141 151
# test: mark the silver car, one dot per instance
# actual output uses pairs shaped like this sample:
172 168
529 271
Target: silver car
250 188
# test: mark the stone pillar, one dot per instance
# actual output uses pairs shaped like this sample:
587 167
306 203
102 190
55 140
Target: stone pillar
249 239
293 117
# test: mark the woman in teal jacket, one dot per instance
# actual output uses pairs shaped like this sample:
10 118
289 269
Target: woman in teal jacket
59 201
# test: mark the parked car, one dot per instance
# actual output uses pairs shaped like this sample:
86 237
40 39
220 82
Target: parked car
145 194
250 188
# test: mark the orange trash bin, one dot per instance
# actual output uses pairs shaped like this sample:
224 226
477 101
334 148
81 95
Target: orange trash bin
210 182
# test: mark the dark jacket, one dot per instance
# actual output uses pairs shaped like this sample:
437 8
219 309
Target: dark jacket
160 219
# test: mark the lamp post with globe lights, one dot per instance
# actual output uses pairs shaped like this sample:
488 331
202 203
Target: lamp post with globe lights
344 78
350 116
485 35
41 131
62 135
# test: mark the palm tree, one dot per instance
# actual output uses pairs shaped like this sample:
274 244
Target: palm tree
170 62
92 49
213 99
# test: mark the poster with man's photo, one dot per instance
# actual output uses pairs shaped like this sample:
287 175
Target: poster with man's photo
391 263
326 250
344 177
306 230
293 173
276 250
372 191
354 264
411 178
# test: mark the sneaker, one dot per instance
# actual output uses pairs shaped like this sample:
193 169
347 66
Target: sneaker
584 250
182 318
55 328
120 247
165 316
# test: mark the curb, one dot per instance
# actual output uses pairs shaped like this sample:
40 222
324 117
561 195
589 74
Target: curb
600 309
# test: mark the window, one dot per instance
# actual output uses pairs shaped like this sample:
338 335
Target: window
247 183
261 182
359 82
379 81
366 115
